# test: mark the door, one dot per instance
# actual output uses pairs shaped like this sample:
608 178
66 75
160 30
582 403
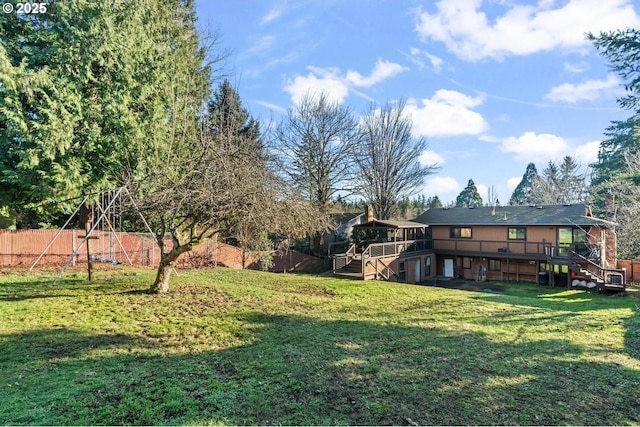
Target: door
416 272
448 268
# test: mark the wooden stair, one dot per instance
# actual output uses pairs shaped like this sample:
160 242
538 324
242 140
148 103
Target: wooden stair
352 270
603 279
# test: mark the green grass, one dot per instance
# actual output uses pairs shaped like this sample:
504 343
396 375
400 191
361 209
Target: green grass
245 347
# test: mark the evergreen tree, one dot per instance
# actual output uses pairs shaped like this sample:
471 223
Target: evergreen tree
231 124
621 48
238 133
84 95
434 202
404 206
563 184
522 193
621 138
469 196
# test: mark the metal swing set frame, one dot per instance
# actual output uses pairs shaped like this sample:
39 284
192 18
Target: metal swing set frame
106 216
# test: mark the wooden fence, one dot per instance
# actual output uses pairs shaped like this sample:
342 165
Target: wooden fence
633 270
21 248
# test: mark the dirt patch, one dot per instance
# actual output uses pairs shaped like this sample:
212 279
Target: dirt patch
467 285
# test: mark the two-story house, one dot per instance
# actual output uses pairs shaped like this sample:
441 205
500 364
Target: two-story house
554 244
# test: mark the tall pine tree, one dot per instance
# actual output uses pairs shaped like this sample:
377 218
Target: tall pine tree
562 184
621 48
522 195
469 196
85 92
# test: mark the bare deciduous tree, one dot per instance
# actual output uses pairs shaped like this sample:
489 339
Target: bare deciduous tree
314 141
492 196
193 194
386 159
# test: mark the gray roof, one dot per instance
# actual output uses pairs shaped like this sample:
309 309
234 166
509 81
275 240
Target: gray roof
341 218
558 215
388 223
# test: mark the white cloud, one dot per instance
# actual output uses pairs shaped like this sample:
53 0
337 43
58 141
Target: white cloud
587 153
578 67
382 71
469 33
483 190
447 113
532 147
429 157
271 106
513 182
544 148
262 44
328 81
336 85
272 15
416 58
441 184
589 90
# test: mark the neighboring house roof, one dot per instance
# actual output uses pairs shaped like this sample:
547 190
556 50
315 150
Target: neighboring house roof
341 218
347 221
558 215
387 223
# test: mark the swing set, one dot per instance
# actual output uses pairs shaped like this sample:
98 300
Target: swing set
108 215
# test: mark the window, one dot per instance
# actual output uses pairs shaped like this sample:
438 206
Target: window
494 264
460 232
569 236
402 274
427 266
466 262
517 233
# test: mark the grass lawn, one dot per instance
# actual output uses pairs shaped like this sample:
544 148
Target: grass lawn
245 347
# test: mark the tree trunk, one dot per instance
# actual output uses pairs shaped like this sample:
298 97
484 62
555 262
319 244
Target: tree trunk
167 263
317 240
161 284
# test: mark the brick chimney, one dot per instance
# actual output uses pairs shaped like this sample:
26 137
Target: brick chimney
369 213
609 206
610 238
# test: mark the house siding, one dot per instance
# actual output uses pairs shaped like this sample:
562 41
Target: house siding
539 234
518 260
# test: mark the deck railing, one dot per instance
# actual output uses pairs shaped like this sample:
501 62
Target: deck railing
489 246
336 248
387 249
344 259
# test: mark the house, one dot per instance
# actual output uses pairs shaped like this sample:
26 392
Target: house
554 244
399 251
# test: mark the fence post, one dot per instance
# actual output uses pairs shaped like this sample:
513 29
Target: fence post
73 247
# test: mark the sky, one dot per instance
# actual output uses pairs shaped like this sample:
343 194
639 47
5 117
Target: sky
492 85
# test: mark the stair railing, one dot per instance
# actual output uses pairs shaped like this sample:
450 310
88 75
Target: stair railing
386 272
382 270
340 261
595 269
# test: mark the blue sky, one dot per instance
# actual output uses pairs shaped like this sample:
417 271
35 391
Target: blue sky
492 85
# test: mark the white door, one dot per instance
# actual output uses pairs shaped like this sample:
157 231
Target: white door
416 272
448 268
